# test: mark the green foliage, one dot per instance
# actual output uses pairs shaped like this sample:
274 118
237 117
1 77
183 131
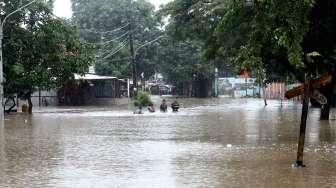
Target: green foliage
217 30
271 35
40 51
283 24
98 21
181 62
141 99
320 37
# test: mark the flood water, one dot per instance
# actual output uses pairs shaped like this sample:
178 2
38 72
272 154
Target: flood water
209 143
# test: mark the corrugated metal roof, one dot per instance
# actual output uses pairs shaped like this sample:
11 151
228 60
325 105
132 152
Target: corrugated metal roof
93 77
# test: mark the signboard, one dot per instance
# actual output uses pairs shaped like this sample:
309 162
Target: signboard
319 97
314 84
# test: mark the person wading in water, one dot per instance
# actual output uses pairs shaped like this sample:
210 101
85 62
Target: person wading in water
151 108
175 106
163 106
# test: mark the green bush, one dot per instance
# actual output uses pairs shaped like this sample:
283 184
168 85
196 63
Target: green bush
141 99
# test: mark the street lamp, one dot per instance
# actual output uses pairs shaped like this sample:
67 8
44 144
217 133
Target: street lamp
2 23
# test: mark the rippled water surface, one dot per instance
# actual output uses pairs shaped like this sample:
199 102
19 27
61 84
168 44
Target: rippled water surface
209 143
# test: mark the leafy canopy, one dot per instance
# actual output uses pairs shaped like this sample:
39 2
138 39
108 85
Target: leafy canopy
40 51
271 35
108 23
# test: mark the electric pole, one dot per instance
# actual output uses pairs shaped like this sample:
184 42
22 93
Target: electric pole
2 117
131 43
134 71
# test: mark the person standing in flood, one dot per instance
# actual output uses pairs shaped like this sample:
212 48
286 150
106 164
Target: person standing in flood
163 106
175 106
151 108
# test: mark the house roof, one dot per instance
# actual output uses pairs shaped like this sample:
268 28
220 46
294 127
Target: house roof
93 77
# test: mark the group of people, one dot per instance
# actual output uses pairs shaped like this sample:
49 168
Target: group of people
164 107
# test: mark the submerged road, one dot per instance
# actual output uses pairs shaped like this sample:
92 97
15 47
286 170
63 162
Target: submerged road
210 143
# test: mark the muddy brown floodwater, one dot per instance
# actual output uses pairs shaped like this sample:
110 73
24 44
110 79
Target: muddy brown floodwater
209 143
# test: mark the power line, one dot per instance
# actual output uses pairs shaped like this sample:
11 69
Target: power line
105 32
115 39
147 43
112 40
115 51
108 50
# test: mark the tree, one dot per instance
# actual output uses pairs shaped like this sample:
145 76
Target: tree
272 36
196 22
182 65
295 30
319 38
41 51
223 26
108 24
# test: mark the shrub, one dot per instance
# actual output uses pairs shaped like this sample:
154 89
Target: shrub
141 99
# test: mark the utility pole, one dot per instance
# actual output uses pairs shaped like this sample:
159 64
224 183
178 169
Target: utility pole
100 52
131 43
134 65
2 115
132 51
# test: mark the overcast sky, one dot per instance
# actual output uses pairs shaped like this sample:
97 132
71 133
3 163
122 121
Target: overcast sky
63 7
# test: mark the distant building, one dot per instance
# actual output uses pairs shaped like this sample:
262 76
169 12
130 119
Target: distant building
92 89
157 86
159 89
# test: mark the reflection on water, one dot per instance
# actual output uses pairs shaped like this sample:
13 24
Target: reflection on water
210 143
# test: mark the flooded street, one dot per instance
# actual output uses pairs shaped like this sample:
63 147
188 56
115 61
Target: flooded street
209 143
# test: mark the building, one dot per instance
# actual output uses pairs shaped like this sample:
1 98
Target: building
91 89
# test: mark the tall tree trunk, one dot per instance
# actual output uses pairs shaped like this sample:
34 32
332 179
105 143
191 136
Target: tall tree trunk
209 87
325 111
30 104
262 85
329 92
264 96
190 89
